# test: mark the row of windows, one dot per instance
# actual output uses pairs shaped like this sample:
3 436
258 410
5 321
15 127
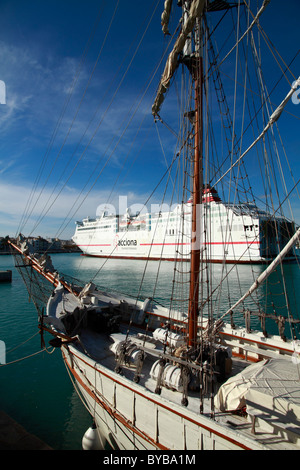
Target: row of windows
102 227
107 228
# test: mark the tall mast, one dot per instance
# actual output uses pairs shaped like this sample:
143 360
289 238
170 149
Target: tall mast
197 191
196 66
192 12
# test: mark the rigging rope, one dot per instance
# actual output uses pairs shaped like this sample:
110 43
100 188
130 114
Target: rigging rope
275 116
70 127
263 276
26 213
24 342
260 12
68 218
27 357
269 44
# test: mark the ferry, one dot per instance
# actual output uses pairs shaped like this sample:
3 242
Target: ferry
240 233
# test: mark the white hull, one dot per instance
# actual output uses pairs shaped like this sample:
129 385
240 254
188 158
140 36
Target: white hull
177 378
139 402
236 234
130 418
141 246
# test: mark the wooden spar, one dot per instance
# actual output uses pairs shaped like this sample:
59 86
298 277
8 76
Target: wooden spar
38 268
197 202
265 274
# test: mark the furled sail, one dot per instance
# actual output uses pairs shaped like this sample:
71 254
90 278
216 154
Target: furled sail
195 12
166 16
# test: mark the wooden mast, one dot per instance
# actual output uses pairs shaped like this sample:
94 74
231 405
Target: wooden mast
197 191
182 52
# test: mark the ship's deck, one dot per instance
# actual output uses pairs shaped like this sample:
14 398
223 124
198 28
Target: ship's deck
98 346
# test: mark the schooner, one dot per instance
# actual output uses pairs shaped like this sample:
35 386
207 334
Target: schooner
185 375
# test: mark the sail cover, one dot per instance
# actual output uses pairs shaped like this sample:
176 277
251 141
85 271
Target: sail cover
195 12
166 16
268 388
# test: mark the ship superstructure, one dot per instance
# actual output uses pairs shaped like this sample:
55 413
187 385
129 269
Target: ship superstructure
230 232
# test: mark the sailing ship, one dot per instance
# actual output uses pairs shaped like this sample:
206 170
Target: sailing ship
189 374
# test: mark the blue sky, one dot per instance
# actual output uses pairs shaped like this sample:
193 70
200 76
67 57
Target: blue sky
41 54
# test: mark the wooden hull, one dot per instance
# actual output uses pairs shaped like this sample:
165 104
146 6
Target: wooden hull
132 418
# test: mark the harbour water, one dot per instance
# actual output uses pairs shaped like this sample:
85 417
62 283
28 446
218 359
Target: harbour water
35 388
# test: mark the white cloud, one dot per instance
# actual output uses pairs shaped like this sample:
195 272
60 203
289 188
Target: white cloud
51 211
36 87
13 203
5 165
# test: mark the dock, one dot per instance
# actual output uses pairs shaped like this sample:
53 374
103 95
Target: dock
5 276
14 437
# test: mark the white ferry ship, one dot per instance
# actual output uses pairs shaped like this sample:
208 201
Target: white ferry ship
237 233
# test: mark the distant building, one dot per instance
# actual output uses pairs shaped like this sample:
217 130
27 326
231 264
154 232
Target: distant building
54 244
4 247
38 244
42 245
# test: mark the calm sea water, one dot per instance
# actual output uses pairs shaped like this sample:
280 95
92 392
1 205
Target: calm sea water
37 391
